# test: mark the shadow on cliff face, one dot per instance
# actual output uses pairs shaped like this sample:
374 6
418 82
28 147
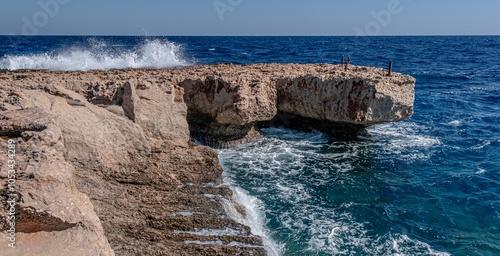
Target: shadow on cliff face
207 132
210 133
334 130
228 104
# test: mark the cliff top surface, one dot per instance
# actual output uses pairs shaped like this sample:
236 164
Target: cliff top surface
230 72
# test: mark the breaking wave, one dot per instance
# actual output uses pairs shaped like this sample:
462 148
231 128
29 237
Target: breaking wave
103 55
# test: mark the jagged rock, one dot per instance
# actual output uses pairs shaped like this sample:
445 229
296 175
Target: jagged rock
231 101
344 103
226 109
89 173
228 102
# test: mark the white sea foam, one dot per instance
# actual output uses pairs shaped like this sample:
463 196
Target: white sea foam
211 232
253 218
481 171
404 135
99 54
404 138
341 234
483 144
281 160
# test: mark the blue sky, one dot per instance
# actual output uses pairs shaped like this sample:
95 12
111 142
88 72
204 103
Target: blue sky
250 17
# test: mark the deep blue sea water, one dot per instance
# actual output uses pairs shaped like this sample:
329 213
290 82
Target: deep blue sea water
429 185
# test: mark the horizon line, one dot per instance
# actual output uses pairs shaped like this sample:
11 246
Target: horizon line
254 35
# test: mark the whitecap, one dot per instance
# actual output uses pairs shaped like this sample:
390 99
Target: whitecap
481 171
405 139
482 145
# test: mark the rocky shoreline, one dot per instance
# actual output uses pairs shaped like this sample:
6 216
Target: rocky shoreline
106 163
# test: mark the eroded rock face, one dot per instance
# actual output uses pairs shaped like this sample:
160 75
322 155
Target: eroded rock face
344 103
119 176
355 98
232 100
53 217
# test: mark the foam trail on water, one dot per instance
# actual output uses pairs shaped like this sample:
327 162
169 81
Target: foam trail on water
300 178
103 55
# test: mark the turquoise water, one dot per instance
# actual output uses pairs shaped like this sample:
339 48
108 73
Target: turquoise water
427 186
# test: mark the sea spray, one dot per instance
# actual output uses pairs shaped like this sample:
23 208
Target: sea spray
101 54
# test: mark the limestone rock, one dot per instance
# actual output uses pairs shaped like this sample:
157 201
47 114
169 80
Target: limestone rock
343 102
52 216
229 102
126 184
358 98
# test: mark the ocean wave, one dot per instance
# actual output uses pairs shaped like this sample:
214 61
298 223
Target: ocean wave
300 178
103 55
343 240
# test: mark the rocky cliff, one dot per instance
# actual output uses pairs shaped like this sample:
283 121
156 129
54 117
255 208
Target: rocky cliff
105 164
228 103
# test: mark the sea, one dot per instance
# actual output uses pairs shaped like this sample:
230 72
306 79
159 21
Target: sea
429 185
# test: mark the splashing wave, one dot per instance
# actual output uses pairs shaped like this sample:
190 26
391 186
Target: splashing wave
100 54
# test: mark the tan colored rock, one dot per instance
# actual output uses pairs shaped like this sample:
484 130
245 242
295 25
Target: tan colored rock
230 101
52 216
363 96
146 182
227 103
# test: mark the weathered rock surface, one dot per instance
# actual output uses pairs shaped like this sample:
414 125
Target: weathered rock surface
105 164
344 103
116 177
52 213
231 100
